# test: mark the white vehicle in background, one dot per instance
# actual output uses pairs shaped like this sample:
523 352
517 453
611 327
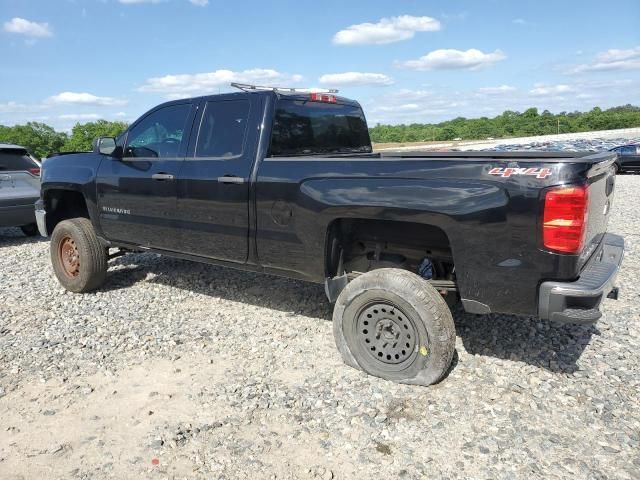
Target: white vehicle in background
19 188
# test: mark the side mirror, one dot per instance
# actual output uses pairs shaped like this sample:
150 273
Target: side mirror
104 145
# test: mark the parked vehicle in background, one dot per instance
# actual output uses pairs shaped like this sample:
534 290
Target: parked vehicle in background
19 188
628 158
287 183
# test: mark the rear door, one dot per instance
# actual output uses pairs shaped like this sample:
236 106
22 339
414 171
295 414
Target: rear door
137 193
213 185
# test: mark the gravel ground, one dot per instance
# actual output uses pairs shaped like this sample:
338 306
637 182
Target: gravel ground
181 370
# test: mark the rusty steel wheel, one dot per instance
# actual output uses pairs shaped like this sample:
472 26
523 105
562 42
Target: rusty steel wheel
79 260
69 257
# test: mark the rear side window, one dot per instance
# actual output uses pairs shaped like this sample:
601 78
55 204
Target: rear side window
305 128
16 160
628 150
160 134
223 129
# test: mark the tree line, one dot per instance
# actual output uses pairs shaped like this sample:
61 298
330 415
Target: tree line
510 124
42 140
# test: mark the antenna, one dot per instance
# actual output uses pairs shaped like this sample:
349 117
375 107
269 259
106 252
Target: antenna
245 87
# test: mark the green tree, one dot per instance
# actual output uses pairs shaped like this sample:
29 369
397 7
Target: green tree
83 134
40 139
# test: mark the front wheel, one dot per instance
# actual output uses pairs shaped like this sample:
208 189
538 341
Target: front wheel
79 260
394 325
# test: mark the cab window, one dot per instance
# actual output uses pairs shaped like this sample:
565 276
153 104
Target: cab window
310 128
160 134
223 129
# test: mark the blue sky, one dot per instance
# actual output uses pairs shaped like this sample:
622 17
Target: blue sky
406 61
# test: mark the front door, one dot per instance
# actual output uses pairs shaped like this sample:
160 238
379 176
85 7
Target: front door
213 185
137 192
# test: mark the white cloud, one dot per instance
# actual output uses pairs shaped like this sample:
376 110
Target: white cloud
15 107
387 30
611 60
176 86
542 90
85 99
22 26
450 59
410 106
608 84
617 55
79 116
355 78
200 3
502 89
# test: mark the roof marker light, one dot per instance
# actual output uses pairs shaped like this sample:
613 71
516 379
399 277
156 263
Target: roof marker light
323 97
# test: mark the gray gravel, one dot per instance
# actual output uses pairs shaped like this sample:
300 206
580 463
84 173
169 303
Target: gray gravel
181 370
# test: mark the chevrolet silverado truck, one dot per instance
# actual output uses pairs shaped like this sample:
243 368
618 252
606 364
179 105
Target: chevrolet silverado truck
287 183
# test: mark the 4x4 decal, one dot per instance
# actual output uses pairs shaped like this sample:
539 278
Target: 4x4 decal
531 172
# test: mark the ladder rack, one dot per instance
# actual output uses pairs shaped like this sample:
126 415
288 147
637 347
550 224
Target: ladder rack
247 87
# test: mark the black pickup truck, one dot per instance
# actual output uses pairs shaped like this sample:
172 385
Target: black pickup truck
288 184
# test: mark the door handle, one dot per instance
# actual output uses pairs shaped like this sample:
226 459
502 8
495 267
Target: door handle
162 176
231 179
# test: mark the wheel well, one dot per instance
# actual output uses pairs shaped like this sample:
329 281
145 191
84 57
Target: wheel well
361 245
63 204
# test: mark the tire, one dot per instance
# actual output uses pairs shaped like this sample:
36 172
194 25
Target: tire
392 324
30 230
79 260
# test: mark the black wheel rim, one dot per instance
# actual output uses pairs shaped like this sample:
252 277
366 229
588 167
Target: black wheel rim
386 333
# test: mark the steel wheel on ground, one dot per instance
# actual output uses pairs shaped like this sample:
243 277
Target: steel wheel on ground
393 324
79 260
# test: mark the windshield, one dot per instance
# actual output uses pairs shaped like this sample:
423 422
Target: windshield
304 127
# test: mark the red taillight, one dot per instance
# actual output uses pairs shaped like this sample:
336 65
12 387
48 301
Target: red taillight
35 171
323 97
565 219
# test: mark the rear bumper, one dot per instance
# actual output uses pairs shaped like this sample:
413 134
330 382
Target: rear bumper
16 215
579 301
41 218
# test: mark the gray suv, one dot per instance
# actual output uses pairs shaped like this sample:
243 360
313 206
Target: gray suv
19 188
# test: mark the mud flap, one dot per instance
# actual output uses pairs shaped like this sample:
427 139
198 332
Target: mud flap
334 286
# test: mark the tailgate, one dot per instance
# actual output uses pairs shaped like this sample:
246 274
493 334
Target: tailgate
601 178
